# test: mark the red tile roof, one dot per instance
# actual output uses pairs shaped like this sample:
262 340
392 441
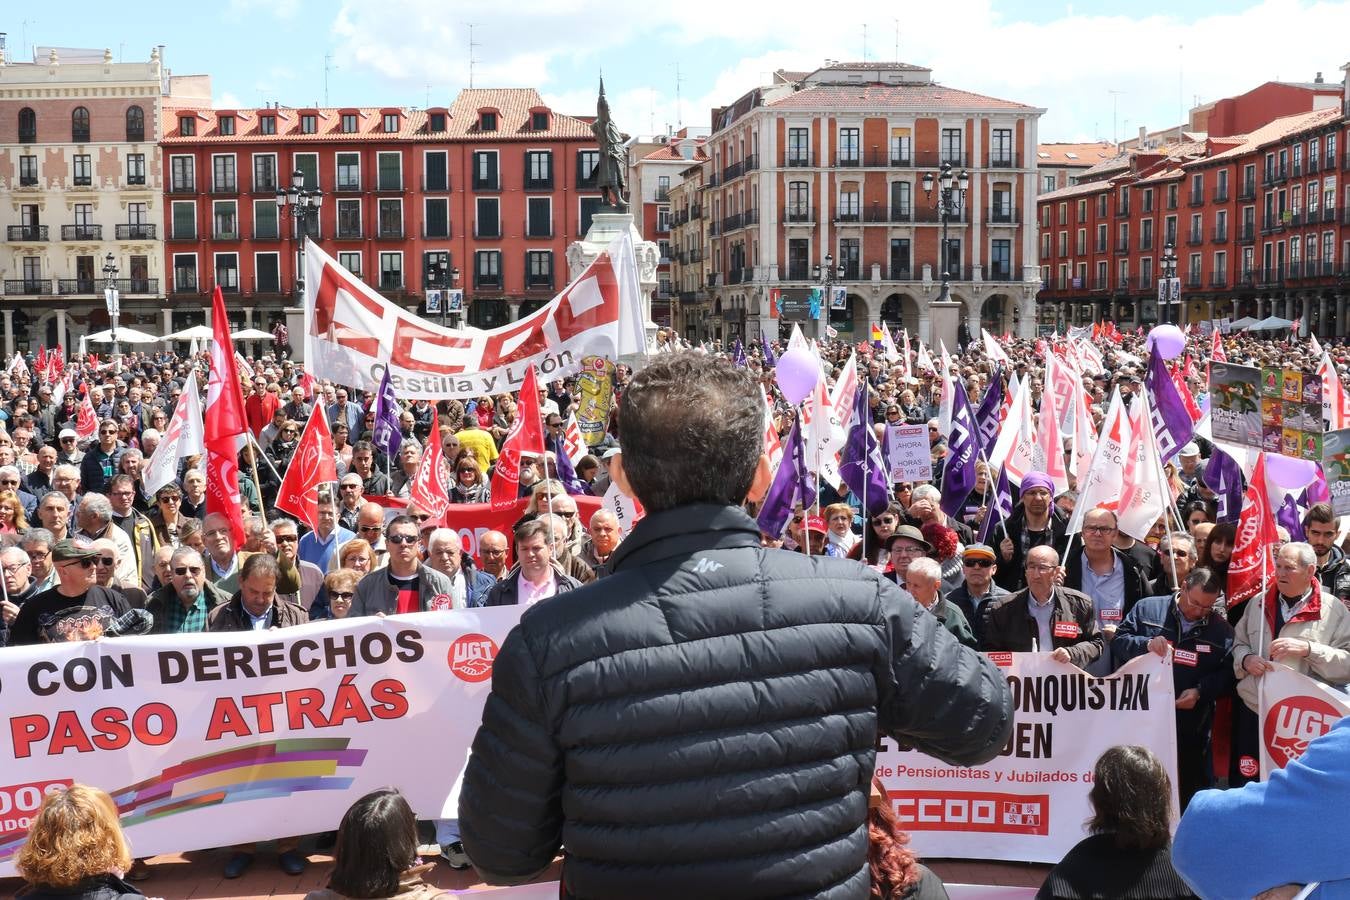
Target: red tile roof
918 97
1276 131
328 124
1074 154
513 122
671 153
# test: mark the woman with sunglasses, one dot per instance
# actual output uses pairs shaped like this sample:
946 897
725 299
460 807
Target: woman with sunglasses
341 588
283 448
470 484
872 548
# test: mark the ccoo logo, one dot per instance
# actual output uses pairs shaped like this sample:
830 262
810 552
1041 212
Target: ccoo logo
1292 723
471 657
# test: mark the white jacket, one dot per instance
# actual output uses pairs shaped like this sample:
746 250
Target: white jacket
1329 635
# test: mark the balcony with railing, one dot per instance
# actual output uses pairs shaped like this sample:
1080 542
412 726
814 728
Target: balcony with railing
799 159
1195 237
81 232
732 222
182 186
1272 224
799 215
900 273
1269 276
1275 175
847 215
1197 198
1146 283
29 180
26 233
347 185
1002 215
740 276
1122 210
927 215
68 286
134 232
878 214
687 296
695 212
998 271
1122 247
1002 160
740 167
184 284
1248 190
28 287
695 255
268 285
226 232
1295 217
1247 233
934 159
1100 282
1194 280
794 272
1218 278
1221 194
184 233
1219 234
389 232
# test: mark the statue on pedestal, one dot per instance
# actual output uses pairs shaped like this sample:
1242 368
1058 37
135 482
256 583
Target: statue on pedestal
611 175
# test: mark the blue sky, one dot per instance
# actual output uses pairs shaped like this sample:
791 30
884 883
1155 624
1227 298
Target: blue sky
1065 57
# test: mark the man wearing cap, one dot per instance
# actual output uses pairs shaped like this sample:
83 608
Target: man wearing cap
601 484
1035 523
75 609
70 454
978 593
1190 463
1045 617
904 546
923 580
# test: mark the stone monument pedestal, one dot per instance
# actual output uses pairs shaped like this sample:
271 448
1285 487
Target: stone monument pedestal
605 227
945 319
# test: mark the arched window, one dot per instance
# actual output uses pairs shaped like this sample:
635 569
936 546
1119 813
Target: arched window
79 125
135 124
27 125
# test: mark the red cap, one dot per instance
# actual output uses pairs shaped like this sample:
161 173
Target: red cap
815 523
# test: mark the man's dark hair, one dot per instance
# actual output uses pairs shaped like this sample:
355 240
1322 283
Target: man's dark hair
533 528
403 520
121 480
1131 799
259 564
376 843
1203 578
363 447
1321 513
693 432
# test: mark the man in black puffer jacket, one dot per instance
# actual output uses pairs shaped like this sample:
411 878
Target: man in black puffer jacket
702 722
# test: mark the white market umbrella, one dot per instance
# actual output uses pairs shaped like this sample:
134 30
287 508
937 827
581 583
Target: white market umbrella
1271 323
195 333
251 334
1242 323
124 336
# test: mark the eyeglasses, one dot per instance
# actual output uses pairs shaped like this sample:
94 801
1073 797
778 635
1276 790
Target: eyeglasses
288 431
36 556
287 538
402 538
1099 529
370 528
349 487
183 570
17 567
486 552
86 563
9 482
104 561
422 517
1168 551
67 440
884 520
1040 567
468 471
572 514
173 498
979 563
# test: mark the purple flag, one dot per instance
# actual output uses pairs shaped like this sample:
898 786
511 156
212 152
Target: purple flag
769 359
987 416
963 443
861 464
738 354
1001 508
1317 492
567 474
1291 517
1224 477
1172 424
792 484
386 435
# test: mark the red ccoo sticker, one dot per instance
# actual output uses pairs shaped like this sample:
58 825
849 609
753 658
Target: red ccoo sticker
471 657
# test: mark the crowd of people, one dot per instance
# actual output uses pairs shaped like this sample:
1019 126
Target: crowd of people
87 552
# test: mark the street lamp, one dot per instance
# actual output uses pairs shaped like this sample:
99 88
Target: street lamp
445 277
826 277
951 198
113 302
1167 288
301 202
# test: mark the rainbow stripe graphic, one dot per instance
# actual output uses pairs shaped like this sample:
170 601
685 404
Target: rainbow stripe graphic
256 772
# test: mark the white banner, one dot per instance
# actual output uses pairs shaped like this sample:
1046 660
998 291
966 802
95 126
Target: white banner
210 740
1295 709
1030 803
908 453
352 332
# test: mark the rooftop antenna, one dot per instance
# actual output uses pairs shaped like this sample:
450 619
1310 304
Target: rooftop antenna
1115 133
473 60
427 104
679 108
327 66
864 42
23 35
1181 106
897 40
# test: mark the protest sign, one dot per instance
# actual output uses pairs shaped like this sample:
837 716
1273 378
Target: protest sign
1030 803
1235 404
1295 709
353 333
596 386
1336 468
908 453
211 740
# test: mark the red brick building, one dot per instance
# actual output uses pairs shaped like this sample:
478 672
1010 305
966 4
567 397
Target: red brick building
1257 222
497 182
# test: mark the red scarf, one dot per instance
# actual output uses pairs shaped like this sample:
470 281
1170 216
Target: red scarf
1311 612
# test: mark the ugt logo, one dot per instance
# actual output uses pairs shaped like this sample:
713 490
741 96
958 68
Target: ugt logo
1292 723
471 657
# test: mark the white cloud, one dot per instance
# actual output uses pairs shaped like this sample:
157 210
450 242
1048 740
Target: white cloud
228 100
237 10
1068 64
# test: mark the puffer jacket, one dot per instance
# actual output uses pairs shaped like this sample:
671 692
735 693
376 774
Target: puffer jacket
702 722
1335 575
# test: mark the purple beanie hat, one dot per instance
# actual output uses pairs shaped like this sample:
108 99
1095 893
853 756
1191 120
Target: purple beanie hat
1033 480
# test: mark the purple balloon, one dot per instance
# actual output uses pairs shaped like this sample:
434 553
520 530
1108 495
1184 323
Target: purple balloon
797 374
1289 473
1168 340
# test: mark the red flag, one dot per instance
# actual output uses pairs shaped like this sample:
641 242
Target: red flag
312 465
40 364
224 422
1216 352
57 362
526 436
430 490
307 385
1252 566
86 423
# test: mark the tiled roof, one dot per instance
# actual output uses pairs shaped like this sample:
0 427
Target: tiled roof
328 124
1074 154
882 66
1114 164
671 153
1075 190
918 97
1167 173
513 122
1278 130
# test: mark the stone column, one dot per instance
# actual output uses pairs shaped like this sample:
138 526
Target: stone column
1211 310
1340 316
61 331
168 321
248 317
9 333
514 306
1322 317
1307 314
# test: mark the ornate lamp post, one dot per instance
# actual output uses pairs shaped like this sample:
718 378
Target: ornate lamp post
826 276
950 200
300 202
113 301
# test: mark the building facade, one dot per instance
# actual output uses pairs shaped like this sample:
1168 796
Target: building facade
655 172
830 165
1257 223
691 312
80 170
483 196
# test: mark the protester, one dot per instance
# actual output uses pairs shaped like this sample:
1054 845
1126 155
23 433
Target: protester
1044 616
1112 579
896 872
1129 850
693 433
351 498
405 584
340 588
468 586
923 580
298 580
978 592
185 602
75 848
1333 569
536 577
1035 523
376 853
75 608
222 559
603 533
95 519
492 554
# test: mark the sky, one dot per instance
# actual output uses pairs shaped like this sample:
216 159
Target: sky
1100 70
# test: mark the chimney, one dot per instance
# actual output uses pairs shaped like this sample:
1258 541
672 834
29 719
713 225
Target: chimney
1319 79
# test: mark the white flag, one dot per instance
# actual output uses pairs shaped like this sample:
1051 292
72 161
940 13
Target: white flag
925 361
888 347
625 508
992 348
1144 495
1016 442
1101 485
573 441
17 366
822 427
182 438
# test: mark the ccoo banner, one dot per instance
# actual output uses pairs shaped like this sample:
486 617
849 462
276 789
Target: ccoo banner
1029 804
210 740
1295 710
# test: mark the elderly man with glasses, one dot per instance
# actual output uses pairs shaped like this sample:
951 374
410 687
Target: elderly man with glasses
1186 626
1044 616
977 593
19 587
76 608
1107 575
94 516
69 452
351 496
